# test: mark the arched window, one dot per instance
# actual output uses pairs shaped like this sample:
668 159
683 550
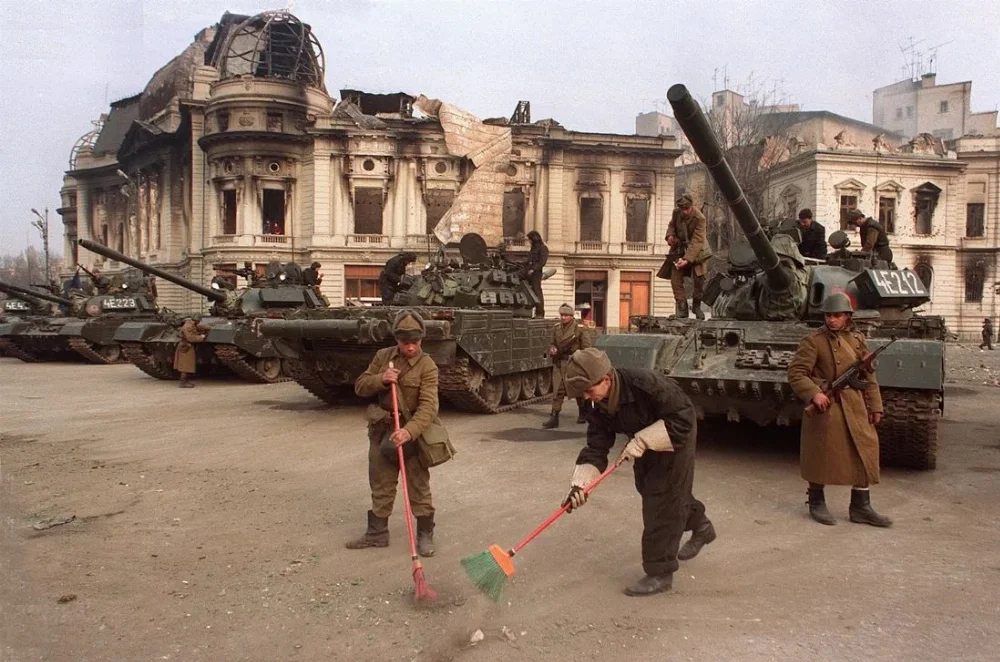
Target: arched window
925 273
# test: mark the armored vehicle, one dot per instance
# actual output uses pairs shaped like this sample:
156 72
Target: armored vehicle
734 364
19 312
231 345
490 352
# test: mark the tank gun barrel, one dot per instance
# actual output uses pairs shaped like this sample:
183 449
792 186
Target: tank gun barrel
112 254
695 125
24 292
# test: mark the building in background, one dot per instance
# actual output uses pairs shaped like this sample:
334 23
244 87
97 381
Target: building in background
911 107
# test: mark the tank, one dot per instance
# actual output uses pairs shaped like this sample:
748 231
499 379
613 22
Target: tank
42 336
490 351
734 364
231 345
20 311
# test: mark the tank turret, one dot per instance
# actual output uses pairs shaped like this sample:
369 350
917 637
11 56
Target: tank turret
16 289
22 304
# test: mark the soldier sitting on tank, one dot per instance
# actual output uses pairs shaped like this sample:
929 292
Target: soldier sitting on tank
101 283
392 273
538 256
689 250
813 242
567 337
871 234
186 356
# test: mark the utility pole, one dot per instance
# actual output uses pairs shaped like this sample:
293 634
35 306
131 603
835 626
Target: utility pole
42 225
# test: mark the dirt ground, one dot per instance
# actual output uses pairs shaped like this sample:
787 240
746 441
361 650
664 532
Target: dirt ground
210 522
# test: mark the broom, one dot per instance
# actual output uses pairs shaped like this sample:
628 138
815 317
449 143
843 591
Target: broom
489 570
421 591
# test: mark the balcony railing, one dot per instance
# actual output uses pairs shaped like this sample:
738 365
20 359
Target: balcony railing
516 243
271 239
637 248
367 240
224 239
591 247
420 242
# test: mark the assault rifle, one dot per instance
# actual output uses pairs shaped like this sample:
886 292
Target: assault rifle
852 376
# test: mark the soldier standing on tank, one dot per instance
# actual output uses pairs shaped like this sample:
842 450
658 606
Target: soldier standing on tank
687 236
567 337
538 256
416 375
987 334
101 283
313 278
871 234
839 444
813 242
392 273
662 425
186 356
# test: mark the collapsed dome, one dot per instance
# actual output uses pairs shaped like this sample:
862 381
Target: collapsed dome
273 44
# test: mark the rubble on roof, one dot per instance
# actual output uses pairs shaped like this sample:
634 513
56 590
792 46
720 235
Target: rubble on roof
349 111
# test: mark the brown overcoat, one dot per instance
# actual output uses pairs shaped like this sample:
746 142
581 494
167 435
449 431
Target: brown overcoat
418 386
840 445
185 358
567 338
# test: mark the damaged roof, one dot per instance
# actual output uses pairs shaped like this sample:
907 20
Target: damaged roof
123 113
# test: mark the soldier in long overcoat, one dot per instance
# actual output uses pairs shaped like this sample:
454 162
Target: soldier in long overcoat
687 235
839 443
567 337
185 356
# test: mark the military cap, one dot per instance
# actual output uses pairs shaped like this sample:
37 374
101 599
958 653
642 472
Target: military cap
855 214
408 325
838 302
685 201
585 368
565 309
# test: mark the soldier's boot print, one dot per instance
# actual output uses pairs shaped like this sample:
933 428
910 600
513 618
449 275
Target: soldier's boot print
862 512
376 535
817 505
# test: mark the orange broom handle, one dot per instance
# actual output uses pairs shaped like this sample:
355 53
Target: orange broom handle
402 474
562 511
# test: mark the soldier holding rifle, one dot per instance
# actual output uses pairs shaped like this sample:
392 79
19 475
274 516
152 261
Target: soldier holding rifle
688 240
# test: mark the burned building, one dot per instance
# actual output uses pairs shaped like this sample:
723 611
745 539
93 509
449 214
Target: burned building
236 152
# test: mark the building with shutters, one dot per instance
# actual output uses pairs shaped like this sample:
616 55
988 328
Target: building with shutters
236 152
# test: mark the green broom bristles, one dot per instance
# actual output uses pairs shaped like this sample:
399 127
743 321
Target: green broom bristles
486 573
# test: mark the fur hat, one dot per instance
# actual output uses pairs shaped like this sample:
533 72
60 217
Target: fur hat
565 309
685 201
584 369
408 325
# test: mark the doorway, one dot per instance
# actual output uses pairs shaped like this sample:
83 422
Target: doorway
633 297
591 287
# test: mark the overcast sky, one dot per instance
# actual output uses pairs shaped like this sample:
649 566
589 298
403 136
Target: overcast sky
592 65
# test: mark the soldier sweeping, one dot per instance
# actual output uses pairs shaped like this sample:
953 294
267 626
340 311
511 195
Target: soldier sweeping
688 240
416 375
839 443
567 337
661 422
186 356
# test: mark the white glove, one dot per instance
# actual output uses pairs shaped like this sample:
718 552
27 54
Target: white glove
583 475
651 438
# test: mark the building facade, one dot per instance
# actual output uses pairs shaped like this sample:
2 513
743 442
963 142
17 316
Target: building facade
911 107
235 152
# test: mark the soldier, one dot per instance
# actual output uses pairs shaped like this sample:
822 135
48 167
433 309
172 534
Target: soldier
567 337
417 377
872 235
392 273
538 256
660 420
987 334
311 275
102 284
839 443
686 235
813 242
185 356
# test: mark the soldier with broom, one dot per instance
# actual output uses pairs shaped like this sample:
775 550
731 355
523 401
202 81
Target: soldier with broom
661 422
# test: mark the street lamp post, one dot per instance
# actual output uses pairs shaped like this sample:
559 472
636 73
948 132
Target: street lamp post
42 225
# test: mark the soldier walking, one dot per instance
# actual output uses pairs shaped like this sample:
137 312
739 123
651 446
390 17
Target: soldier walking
416 375
660 420
567 337
687 236
186 356
839 444
538 256
987 334
392 273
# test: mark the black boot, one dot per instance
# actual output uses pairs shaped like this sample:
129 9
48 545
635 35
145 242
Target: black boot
580 418
696 307
682 309
651 585
700 537
817 506
861 510
376 535
553 421
425 535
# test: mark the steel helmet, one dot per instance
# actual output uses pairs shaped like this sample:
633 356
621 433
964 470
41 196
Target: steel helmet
838 302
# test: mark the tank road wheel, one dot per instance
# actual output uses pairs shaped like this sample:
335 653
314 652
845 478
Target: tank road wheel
491 391
111 353
511 388
270 367
529 382
544 381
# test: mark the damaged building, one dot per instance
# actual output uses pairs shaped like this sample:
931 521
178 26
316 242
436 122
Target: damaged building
236 152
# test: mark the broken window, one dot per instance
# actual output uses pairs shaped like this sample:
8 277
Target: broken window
104 234
273 212
887 214
925 273
120 238
925 199
591 218
974 278
513 213
229 212
943 107
847 203
367 210
636 216
975 219
437 202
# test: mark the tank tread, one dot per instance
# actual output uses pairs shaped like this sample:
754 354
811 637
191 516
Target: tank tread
138 357
455 384
231 357
908 432
83 348
310 380
8 348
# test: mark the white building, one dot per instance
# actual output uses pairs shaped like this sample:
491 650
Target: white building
912 107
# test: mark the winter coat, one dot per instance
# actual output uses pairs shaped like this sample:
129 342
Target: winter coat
692 232
418 386
185 356
567 338
840 445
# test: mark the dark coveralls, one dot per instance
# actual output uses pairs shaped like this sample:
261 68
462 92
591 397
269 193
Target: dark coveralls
874 239
664 480
537 258
388 280
813 241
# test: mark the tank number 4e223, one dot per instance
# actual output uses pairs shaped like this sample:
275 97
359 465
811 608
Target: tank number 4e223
119 303
903 282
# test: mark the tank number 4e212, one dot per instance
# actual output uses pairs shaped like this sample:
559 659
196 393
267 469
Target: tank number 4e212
119 303
903 282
